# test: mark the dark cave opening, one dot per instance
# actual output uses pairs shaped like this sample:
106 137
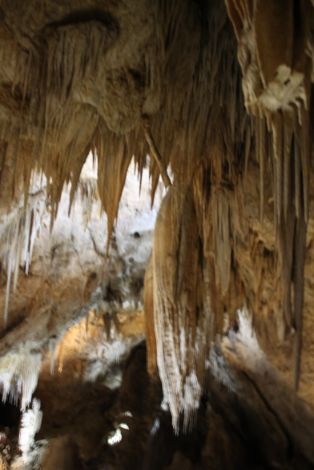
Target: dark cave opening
10 414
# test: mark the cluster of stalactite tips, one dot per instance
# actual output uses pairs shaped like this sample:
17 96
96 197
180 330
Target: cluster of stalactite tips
210 91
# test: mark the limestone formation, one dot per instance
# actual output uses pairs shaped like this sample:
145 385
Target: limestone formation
211 99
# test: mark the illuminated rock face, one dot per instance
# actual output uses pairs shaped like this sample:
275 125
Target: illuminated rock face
74 314
68 277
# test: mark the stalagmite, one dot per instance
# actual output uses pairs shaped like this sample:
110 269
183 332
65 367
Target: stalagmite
31 423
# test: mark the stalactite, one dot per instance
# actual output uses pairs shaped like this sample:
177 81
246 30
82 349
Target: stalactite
149 320
179 316
261 153
276 77
220 212
60 108
113 163
19 375
156 155
291 196
17 243
19 230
